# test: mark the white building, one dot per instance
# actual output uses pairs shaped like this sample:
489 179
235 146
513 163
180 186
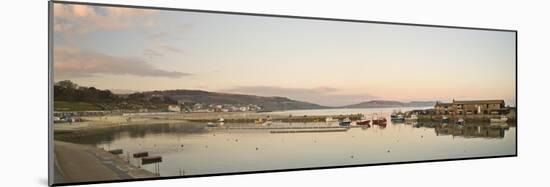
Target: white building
174 108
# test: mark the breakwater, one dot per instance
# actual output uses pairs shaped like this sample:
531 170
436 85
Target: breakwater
281 118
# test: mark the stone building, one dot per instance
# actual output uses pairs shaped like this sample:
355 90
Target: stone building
493 107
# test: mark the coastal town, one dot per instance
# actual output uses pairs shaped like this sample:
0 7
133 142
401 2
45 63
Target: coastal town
455 112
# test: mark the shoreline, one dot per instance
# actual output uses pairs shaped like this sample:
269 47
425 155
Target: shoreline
103 122
83 163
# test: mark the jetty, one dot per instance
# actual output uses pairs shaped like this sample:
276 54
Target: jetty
310 130
277 118
285 127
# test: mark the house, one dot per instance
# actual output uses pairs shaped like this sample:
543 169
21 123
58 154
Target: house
494 107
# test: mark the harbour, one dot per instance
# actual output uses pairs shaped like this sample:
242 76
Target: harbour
185 145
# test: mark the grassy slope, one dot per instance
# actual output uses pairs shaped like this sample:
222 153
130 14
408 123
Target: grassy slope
74 106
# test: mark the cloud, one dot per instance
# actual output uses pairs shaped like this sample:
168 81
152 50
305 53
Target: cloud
81 19
327 96
171 48
160 50
73 63
150 53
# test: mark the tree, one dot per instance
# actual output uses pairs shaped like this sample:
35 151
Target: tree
66 84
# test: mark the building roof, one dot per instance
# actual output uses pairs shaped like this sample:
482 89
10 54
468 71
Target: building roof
480 102
443 104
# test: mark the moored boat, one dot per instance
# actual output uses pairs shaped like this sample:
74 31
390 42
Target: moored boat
210 124
363 122
502 119
345 122
397 117
460 121
379 121
445 119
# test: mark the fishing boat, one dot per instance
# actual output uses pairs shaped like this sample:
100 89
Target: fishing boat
363 122
210 124
268 121
345 122
502 119
397 117
460 121
379 121
445 119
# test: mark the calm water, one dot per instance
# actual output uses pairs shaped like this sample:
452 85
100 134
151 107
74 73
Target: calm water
192 149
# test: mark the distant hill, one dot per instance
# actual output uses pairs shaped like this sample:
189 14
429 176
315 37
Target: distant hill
267 103
69 96
387 104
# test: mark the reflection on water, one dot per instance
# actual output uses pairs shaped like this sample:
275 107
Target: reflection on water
191 149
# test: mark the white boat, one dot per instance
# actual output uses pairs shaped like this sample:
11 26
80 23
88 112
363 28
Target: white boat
502 119
345 122
460 121
210 124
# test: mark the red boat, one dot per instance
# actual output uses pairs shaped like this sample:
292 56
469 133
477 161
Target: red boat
379 121
363 122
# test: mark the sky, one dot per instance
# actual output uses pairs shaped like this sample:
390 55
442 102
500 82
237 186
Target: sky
330 63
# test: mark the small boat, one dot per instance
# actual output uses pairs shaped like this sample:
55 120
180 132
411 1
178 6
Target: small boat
379 121
221 120
268 121
363 122
259 121
445 119
210 124
502 119
460 121
345 122
412 118
396 117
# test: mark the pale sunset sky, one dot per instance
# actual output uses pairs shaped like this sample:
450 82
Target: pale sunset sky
325 62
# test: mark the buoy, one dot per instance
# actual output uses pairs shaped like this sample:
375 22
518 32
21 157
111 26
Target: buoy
388 151
256 148
351 156
181 145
